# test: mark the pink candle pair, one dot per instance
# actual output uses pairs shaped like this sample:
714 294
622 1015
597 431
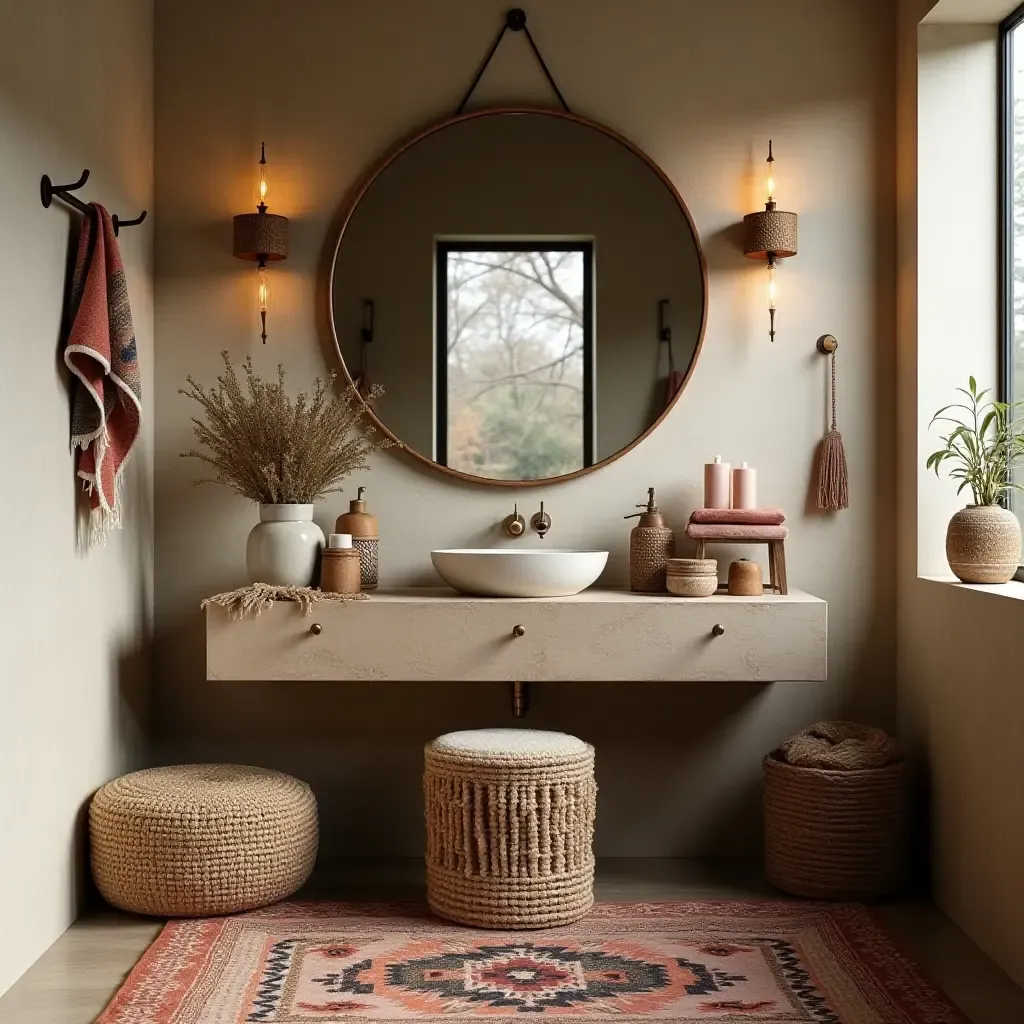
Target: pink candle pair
725 487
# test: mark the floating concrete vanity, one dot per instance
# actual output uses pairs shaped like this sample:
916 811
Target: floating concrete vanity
434 634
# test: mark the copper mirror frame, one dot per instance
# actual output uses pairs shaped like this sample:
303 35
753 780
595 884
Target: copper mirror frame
364 186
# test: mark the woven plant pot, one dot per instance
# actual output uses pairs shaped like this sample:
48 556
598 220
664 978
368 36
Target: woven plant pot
983 544
835 835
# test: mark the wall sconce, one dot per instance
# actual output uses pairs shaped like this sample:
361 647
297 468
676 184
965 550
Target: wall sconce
262 237
770 235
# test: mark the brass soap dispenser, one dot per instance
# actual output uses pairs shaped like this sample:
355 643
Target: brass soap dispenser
651 545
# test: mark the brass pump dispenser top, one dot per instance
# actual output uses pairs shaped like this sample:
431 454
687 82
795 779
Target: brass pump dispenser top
357 521
651 516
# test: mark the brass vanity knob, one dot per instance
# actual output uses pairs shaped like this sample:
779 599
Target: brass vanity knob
519 630
316 629
717 629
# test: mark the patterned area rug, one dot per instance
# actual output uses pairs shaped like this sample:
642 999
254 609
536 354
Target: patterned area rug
629 962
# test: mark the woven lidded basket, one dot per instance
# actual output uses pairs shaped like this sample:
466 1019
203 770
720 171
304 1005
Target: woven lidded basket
200 839
510 827
835 834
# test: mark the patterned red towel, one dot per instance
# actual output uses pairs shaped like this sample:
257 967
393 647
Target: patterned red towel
102 354
735 532
753 516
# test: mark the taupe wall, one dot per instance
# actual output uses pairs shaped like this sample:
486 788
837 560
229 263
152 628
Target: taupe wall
679 766
960 698
75 91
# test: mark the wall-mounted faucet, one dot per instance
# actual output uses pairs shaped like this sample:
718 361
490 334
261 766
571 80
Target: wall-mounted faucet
541 521
514 525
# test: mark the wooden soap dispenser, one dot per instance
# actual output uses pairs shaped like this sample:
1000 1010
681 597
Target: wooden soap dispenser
651 545
362 527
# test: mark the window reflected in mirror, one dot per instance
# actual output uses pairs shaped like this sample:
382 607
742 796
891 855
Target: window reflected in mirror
515 387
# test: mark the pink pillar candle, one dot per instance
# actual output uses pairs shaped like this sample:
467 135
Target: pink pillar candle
744 487
716 484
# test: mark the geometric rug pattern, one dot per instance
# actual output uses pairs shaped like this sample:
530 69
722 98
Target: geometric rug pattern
724 962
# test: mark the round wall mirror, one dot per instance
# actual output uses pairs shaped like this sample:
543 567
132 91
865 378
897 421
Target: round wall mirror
526 288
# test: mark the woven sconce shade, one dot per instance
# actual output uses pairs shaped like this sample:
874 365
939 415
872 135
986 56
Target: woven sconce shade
769 231
261 236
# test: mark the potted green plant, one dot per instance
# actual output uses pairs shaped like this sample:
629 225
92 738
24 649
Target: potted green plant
284 454
983 540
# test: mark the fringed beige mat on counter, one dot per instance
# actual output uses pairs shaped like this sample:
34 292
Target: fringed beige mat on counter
771 962
258 597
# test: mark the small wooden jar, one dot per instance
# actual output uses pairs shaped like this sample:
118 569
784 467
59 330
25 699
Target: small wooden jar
339 571
745 578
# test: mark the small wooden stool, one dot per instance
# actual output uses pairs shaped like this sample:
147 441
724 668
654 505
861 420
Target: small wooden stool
773 536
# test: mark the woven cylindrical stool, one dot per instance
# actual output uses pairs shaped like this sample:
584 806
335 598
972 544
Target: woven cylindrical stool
200 839
836 835
510 827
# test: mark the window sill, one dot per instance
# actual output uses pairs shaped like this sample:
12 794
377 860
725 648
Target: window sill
1014 590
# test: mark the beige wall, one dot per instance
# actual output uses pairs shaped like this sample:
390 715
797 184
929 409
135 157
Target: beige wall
960 698
679 766
75 91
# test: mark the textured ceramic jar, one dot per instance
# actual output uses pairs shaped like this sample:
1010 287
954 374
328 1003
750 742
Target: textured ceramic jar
691 577
983 544
284 546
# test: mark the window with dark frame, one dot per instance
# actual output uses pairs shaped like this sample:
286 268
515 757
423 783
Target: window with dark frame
514 396
1011 76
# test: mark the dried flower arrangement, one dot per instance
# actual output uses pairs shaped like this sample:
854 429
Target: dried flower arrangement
276 450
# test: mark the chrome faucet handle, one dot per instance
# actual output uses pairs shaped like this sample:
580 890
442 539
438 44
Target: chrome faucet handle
541 521
514 525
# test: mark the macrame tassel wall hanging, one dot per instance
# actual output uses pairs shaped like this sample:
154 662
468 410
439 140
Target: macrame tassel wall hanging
833 476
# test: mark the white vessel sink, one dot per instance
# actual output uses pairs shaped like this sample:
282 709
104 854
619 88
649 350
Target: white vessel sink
510 572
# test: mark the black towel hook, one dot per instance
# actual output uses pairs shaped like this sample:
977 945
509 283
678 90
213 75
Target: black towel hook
47 192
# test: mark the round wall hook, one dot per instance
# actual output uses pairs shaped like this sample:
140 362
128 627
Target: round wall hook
827 344
515 19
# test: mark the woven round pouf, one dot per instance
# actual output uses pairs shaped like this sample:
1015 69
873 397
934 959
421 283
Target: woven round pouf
510 827
200 839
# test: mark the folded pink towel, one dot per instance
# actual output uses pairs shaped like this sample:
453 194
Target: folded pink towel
752 516
736 532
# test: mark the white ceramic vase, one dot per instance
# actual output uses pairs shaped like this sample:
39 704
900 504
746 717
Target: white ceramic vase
284 546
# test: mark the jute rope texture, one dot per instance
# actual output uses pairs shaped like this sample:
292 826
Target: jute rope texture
835 813
509 838
258 597
194 840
